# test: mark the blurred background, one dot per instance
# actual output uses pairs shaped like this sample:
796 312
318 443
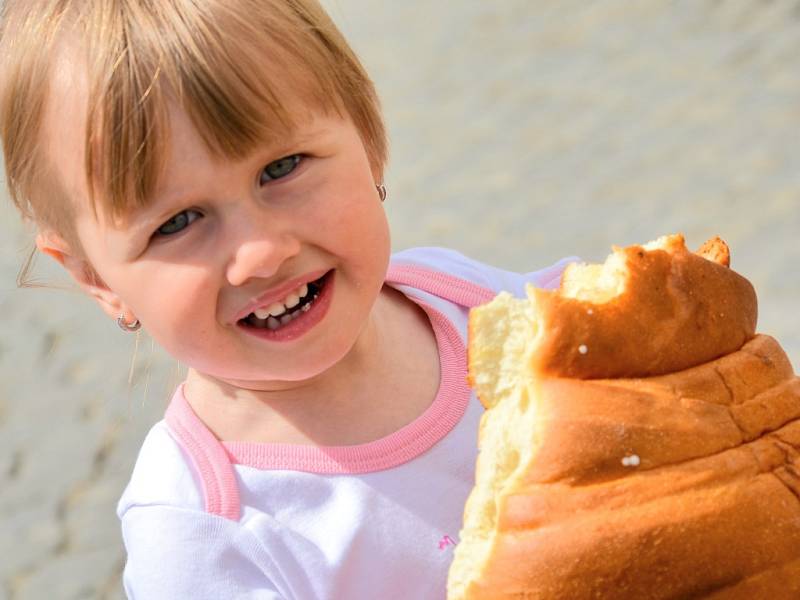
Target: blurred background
521 132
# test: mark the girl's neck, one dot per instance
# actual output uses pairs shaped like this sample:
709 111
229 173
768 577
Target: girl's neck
352 402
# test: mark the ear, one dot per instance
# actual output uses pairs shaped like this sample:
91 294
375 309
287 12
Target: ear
81 270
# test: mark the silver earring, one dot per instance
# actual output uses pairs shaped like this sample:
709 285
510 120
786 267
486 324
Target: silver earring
129 327
381 191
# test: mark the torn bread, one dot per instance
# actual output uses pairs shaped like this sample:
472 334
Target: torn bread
673 475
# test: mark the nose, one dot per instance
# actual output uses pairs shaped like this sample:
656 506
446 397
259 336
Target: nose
260 254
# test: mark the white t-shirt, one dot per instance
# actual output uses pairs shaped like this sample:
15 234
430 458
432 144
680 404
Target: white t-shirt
204 519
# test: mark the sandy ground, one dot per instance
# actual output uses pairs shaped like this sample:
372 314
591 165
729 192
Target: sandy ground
521 132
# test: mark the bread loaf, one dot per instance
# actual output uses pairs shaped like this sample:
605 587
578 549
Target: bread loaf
666 467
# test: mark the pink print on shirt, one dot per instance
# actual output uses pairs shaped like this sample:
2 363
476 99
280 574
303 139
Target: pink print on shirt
445 541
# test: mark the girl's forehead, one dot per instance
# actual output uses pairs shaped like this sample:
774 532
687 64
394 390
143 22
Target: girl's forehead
93 83
186 148
183 133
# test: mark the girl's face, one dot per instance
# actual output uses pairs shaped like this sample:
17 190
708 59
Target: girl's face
224 239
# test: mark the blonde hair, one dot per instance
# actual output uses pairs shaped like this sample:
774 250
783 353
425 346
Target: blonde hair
235 66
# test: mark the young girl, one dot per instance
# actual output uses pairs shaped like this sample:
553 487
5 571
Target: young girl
210 170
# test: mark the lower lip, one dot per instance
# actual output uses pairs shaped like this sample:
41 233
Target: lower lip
306 321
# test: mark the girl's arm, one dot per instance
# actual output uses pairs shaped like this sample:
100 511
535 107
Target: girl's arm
181 553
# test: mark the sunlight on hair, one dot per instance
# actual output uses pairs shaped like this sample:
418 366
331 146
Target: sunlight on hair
205 59
133 360
26 280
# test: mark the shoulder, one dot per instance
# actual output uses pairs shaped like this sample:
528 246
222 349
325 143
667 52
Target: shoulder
175 547
491 279
175 552
162 475
445 260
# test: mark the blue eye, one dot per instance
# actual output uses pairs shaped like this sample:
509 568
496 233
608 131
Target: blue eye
279 168
179 222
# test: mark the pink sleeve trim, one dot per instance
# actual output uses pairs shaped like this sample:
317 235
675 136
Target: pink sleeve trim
218 480
455 289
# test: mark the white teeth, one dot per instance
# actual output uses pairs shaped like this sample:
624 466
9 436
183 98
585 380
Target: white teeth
273 323
278 308
275 310
292 300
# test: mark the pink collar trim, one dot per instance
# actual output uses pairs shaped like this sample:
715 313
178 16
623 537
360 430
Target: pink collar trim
213 459
390 451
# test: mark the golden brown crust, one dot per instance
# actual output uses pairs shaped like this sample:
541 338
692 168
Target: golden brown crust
640 444
712 504
716 250
677 310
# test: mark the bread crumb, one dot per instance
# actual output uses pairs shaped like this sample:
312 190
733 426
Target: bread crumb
631 461
583 349
590 311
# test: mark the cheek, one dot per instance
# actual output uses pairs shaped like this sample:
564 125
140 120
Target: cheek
357 207
169 299
181 317
363 232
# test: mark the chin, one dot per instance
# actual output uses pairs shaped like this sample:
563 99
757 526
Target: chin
303 370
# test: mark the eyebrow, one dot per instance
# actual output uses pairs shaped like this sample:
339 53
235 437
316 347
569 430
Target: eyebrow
169 198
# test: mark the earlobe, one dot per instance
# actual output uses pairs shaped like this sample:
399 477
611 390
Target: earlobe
92 285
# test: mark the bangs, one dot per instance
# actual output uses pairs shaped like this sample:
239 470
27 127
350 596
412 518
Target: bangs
245 71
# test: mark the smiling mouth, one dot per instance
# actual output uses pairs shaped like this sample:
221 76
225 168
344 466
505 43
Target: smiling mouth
276 322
